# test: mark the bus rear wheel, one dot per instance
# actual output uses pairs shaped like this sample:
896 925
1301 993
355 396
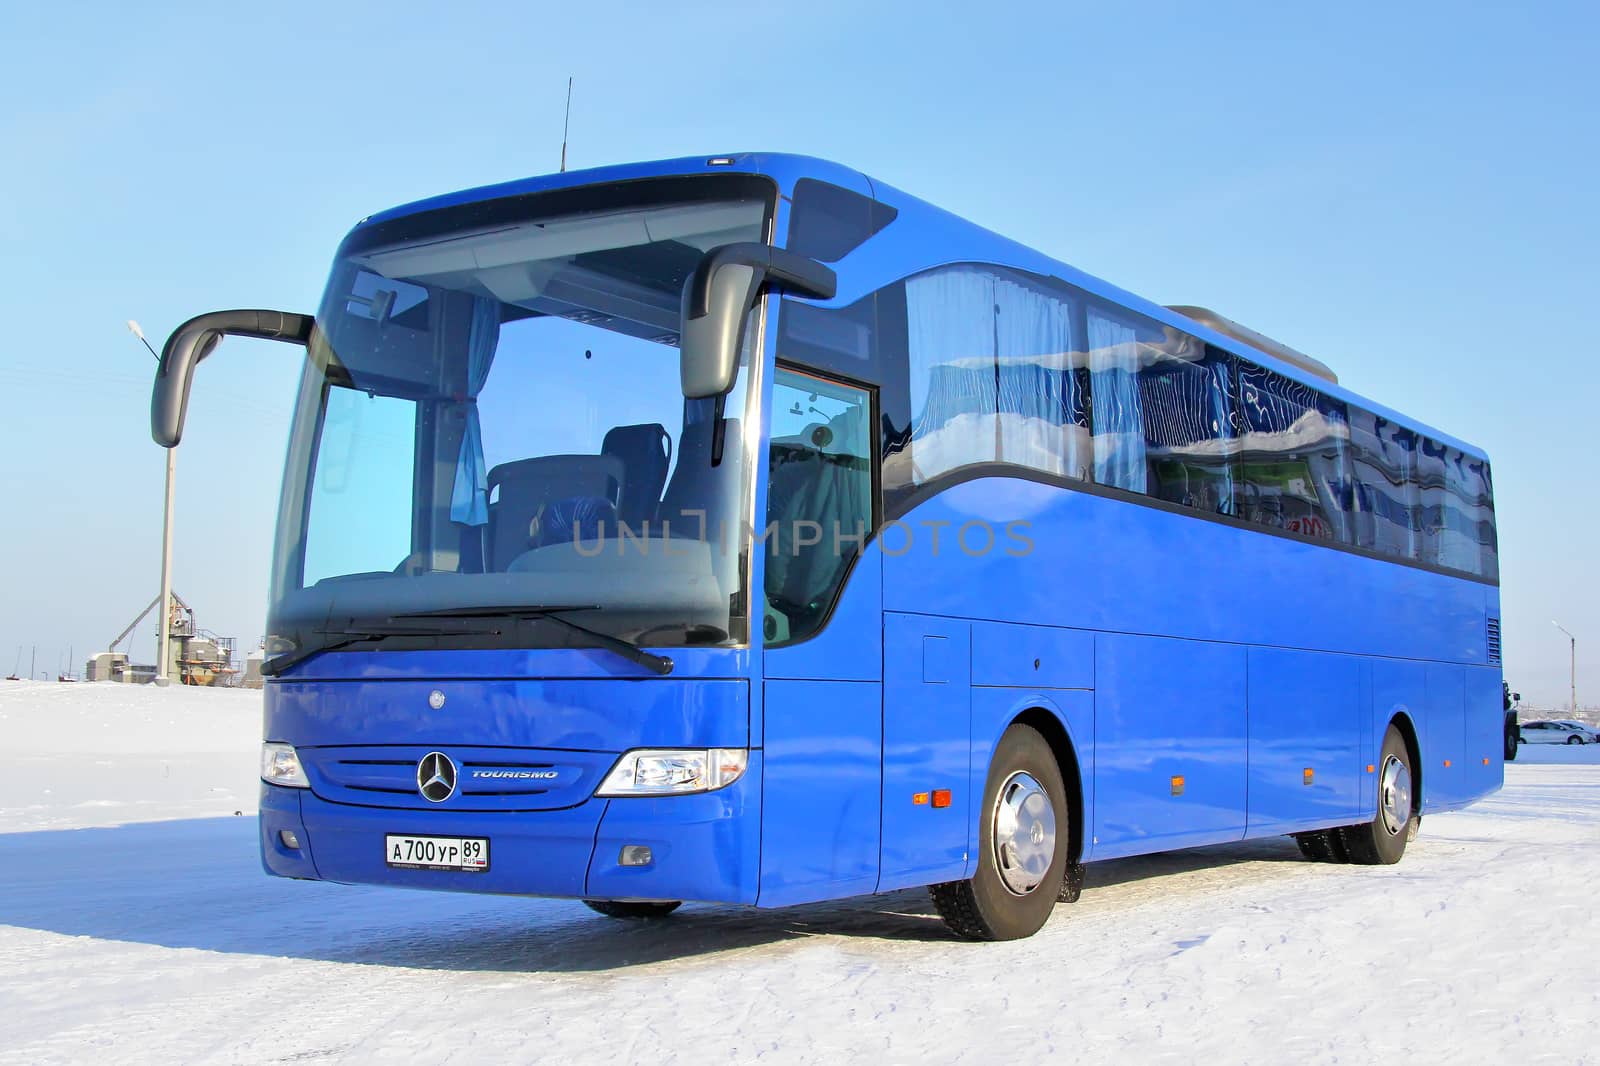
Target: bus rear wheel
1382 841
1022 845
632 908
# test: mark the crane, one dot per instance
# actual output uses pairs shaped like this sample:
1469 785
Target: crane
181 624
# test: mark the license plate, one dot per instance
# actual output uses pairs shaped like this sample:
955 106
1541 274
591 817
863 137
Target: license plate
469 854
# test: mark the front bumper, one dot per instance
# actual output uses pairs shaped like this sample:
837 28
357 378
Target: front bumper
704 847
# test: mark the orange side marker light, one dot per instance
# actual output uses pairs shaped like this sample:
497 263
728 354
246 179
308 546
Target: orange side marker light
1486 762
1371 769
1447 762
1177 784
941 797
919 799
1305 778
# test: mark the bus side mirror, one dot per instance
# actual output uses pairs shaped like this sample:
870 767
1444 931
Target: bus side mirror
198 338
716 299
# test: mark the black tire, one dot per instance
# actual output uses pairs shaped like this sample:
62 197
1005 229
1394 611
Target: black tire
1336 842
638 910
1574 739
1317 846
984 908
1512 740
1071 884
1377 843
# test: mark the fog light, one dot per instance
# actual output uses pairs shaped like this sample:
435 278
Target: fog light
290 841
635 855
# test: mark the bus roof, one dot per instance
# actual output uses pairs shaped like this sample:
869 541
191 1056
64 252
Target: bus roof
786 169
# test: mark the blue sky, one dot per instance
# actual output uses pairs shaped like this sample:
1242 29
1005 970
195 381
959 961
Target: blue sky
1405 191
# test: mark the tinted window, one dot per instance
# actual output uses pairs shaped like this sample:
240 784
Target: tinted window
828 222
1382 488
1186 406
1162 412
1458 511
1479 487
1291 457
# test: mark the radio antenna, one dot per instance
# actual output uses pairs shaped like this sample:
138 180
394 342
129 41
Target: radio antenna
565 122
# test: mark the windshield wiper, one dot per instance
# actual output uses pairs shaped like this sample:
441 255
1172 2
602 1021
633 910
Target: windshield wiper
373 631
342 638
658 664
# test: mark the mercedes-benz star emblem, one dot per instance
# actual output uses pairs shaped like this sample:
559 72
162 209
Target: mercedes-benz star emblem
436 777
436 699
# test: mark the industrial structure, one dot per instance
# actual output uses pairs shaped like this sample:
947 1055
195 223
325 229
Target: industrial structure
197 656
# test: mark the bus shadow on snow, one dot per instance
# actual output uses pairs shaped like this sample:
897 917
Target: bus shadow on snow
198 884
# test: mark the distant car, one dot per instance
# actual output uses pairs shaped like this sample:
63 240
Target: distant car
1591 734
1557 733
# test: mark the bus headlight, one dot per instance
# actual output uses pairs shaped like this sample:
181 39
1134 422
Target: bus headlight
281 766
670 771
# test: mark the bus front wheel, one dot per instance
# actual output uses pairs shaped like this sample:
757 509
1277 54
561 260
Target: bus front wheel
1022 845
1382 841
632 908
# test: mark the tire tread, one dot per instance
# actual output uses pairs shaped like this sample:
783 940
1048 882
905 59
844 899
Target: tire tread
958 907
1316 846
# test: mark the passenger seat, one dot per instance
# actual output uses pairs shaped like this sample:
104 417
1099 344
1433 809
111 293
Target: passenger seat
519 491
645 451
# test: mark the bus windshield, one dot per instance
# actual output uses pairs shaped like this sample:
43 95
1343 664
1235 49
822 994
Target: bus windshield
491 418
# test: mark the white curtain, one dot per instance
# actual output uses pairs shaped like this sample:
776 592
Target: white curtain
1119 457
950 319
1037 389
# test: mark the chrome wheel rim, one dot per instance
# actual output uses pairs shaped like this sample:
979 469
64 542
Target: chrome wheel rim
1024 833
1394 795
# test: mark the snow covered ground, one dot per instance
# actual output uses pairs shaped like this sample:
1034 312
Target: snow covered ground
136 926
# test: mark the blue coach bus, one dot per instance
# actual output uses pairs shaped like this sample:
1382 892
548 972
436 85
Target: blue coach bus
745 530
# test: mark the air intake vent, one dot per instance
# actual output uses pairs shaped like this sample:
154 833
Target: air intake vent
1494 640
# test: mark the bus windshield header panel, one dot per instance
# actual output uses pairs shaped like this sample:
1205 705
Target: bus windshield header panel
491 425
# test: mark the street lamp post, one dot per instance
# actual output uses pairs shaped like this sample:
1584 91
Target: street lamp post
164 656
1573 647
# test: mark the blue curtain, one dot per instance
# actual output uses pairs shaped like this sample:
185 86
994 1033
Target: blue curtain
469 497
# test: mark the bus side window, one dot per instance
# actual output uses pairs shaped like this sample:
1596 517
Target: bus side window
993 376
1459 508
1292 455
1378 516
1186 405
1115 411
